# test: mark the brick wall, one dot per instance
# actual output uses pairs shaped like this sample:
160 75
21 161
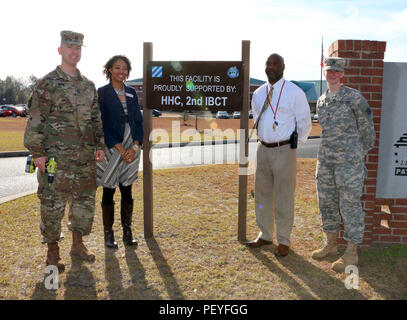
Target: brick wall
386 219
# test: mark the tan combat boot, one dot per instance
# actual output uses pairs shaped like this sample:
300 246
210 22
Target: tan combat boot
329 249
79 249
53 257
350 257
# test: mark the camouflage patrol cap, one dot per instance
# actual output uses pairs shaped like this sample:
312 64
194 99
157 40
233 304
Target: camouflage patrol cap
337 64
70 37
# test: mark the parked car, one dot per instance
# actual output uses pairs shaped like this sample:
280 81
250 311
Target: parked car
24 106
236 115
14 111
6 111
315 117
250 114
222 115
21 111
156 113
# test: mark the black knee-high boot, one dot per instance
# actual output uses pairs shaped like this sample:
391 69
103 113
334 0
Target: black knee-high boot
108 218
126 212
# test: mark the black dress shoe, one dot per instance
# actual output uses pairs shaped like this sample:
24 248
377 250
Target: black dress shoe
258 243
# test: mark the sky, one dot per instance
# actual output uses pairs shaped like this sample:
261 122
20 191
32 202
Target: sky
194 30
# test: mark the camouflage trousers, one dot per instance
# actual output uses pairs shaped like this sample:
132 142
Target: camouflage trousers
75 185
339 189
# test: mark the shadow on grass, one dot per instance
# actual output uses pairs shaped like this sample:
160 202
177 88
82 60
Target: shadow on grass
140 288
173 289
320 284
41 293
113 275
80 283
384 268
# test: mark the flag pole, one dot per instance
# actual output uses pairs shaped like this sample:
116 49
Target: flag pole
322 65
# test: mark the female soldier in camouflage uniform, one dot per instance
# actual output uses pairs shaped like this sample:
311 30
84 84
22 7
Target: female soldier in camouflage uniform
347 136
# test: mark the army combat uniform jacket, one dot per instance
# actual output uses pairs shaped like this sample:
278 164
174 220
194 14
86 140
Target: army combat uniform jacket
64 118
347 126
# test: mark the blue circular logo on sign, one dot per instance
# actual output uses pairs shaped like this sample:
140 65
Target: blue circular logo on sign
233 72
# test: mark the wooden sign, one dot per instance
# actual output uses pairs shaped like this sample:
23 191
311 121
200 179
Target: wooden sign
195 85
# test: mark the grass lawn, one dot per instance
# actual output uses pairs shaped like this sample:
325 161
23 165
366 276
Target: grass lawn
11 141
195 253
12 134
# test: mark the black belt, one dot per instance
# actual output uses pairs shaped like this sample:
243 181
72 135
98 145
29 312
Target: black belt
275 144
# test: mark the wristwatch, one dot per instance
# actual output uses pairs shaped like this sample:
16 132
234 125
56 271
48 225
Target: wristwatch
135 147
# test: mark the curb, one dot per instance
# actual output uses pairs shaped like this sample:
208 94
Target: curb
18 195
9 154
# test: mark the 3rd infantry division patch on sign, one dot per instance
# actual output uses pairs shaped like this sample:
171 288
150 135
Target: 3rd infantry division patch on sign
157 72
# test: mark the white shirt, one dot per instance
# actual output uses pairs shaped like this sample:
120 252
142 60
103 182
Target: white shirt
293 106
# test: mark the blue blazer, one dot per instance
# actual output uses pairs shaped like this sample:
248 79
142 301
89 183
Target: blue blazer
113 117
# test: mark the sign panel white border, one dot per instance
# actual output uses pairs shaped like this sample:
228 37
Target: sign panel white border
392 166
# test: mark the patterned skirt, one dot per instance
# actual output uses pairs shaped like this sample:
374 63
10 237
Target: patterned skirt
113 170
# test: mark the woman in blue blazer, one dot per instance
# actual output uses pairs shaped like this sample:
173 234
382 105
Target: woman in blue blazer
123 129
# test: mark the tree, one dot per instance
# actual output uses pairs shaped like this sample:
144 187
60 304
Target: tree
33 80
16 91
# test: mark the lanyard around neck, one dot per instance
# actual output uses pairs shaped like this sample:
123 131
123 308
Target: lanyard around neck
278 102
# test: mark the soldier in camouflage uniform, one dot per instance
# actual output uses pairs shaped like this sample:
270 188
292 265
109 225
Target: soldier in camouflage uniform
347 136
64 122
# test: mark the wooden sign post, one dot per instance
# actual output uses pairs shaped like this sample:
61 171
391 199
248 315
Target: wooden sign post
147 154
244 143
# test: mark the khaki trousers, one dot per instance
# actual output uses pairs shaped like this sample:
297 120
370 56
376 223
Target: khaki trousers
274 191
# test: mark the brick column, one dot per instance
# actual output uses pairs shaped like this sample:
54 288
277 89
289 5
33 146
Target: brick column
364 72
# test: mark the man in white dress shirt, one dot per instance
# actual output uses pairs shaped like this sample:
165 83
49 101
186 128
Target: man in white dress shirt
285 110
